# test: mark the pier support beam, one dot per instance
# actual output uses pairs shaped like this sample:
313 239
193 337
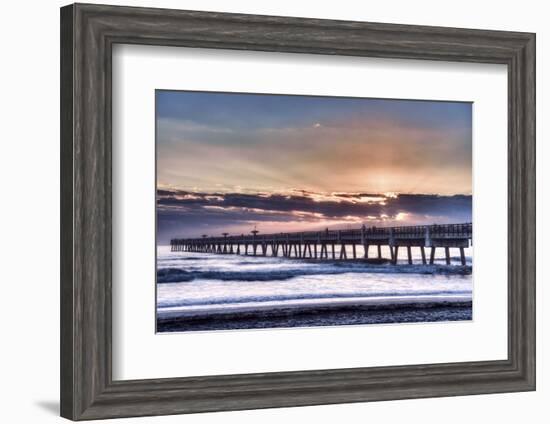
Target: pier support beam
409 255
423 252
395 254
462 257
432 255
343 254
379 252
447 256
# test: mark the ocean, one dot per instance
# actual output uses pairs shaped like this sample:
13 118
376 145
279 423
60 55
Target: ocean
205 291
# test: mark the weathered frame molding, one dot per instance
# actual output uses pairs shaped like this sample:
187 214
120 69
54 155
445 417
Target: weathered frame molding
88 33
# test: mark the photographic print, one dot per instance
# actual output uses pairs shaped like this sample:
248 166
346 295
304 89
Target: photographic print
280 211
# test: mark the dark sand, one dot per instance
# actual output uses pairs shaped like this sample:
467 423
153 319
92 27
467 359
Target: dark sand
320 316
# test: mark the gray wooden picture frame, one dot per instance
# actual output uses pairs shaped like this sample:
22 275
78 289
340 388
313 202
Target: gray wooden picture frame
88 33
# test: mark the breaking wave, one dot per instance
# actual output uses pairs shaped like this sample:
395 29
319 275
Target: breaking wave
179 275
244 300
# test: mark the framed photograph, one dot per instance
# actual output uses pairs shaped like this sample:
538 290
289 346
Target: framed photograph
265 211
301 211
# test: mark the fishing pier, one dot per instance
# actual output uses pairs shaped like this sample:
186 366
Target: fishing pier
333 244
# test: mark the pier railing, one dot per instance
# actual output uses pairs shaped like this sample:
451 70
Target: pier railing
305 244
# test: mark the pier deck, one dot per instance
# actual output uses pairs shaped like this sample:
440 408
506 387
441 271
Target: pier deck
317 244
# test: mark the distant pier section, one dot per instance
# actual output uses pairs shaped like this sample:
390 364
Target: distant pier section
334 244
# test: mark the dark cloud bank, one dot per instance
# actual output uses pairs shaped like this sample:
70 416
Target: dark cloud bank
189 214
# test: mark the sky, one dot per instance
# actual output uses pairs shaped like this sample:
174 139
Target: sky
227 162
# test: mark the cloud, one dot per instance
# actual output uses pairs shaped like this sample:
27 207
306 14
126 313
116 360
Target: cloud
185 213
